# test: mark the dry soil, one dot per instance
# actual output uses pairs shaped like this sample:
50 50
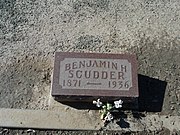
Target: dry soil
32 30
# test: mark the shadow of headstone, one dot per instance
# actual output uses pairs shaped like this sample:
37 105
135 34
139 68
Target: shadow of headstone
151 93
81 105
123 124
151 96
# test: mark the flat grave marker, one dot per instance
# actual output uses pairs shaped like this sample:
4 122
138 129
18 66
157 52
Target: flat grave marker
86 77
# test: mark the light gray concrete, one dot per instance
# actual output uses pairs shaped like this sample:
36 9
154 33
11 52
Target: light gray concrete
18 118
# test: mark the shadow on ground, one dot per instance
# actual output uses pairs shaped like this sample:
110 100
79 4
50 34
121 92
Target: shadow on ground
151 96
122 123
81 105
120 117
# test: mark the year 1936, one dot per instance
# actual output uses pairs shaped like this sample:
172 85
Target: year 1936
118 84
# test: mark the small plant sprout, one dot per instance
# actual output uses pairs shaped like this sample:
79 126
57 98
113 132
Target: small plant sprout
118 104
98 103
107 108
108 117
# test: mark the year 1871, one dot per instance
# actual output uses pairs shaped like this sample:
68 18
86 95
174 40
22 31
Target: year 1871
71 83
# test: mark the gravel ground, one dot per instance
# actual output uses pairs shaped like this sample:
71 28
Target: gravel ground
52 132
32 30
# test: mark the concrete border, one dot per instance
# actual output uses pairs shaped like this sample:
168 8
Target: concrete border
45 119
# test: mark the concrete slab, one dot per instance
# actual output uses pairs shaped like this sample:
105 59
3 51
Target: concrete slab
45 119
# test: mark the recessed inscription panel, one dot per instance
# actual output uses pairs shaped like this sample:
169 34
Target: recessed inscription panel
96 74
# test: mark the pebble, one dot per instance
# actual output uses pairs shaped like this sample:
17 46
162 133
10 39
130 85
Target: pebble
91 113
66 108
31 130
174 132
4 131
173 102
172 108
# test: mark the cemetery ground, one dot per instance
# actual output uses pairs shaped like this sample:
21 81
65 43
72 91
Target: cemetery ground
31 31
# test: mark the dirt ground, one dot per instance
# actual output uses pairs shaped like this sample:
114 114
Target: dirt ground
32 30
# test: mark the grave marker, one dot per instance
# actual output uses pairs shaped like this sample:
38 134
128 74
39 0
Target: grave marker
89 76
